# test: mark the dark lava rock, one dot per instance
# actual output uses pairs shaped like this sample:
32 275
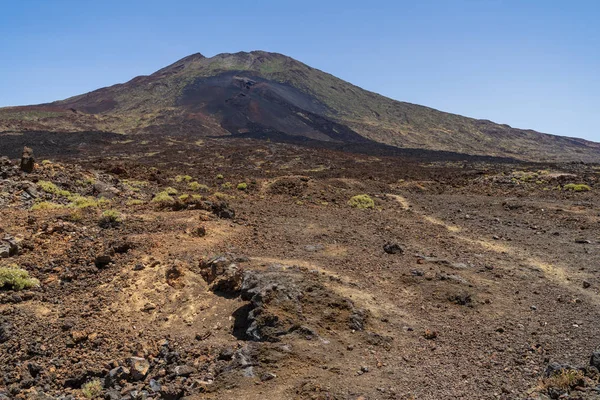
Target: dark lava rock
222 210
8 247
116 375
183 370
171 392
139 367
393 248
5 331
27 160
103 260
222 273
595 360
358 319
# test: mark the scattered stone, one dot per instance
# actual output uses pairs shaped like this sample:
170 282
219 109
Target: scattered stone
5 331
139 367
79 336
172 391
595 360
183 370
199 231
174 276
267 376
8 246
586 284
462 299
138 267
103 260
222 210
430 335
115 376
393 248
583 241
533 308
154 386
222 273
313 248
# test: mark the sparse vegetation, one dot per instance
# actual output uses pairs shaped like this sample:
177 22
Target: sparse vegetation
361 201
198 187
45 205
242 186
110 218
565 379
134 202
51 188
92 389
577 187
222 196
182 178
163 198
16 278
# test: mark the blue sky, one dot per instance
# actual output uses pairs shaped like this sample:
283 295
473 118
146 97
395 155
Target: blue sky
530 64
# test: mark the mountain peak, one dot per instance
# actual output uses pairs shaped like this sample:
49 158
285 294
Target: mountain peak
259 91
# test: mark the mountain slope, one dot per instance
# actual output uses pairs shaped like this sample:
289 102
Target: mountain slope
266 92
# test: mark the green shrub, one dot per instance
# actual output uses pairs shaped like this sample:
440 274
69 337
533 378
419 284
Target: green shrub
361 201
46 205
223 196
170 191
181 178
51 188
83 202
163 198
242 186
220 176
110 218
16 278
134 202
184 197
577 187
195 186
227 185
92 389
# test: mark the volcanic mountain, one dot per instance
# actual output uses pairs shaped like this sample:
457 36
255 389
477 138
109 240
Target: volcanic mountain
261 93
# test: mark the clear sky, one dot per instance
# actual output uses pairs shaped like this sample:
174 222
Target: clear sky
528 63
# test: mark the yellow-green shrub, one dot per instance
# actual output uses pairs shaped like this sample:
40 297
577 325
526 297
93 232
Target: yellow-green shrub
16 278
361 201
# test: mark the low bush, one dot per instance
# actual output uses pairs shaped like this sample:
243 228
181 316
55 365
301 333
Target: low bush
110 218
51 188
361 201
577 187
16 278
92 389
46 205
198 187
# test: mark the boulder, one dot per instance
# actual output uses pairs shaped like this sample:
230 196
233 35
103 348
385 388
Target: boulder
393 248
27 160
139 368
8 246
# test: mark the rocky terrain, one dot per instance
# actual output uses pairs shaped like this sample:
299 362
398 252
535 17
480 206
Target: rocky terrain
272 95
153 266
